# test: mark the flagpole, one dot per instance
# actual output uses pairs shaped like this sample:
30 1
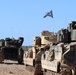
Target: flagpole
53 20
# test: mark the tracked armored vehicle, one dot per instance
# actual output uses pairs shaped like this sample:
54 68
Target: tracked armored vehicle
32 57
11 49
60 58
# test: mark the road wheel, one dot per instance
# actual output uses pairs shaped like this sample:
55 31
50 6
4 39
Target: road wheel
20 55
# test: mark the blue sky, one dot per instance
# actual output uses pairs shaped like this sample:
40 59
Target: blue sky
25 17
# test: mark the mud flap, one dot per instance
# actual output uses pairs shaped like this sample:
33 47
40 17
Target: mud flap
20 56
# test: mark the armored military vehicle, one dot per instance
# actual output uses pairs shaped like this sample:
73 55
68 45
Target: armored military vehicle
32 57
11 49
60 58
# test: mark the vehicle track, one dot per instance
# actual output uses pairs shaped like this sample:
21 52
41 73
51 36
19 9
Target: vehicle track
13 69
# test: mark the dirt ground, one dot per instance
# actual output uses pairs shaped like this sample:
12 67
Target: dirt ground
13 69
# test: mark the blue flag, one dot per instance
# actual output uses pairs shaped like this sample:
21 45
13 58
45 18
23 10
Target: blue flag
50 14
